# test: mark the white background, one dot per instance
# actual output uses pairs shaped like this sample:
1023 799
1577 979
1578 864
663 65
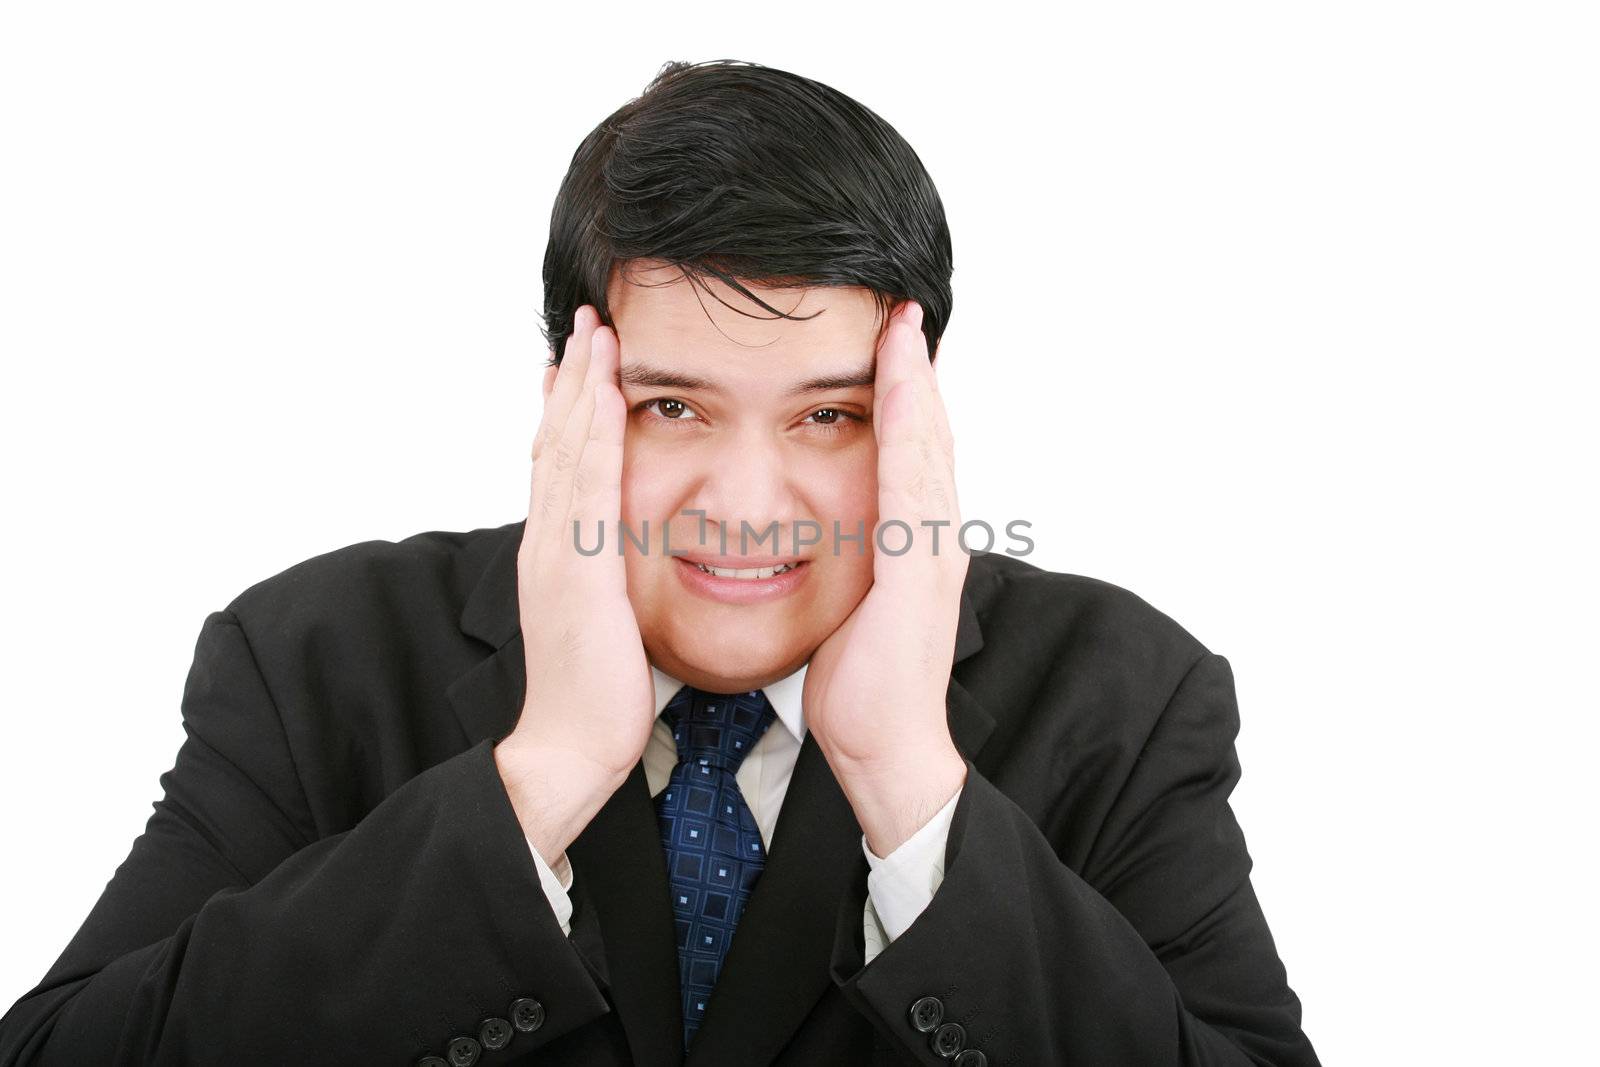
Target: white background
1282 316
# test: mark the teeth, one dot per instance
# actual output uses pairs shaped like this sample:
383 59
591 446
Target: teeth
757 573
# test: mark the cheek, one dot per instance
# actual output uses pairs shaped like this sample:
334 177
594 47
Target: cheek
845 487
844 490
649 485
651 493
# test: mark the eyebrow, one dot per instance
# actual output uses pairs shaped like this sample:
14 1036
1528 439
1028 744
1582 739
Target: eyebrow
646 376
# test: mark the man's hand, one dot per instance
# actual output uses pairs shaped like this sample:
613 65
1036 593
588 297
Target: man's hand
587 711
875 689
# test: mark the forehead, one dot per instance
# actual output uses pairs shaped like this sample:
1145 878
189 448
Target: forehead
660 314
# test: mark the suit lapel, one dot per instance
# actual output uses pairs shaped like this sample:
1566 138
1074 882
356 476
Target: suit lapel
617 863
618 868
619 857
778 965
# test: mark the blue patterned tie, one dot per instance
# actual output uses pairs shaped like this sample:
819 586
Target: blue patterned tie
713 846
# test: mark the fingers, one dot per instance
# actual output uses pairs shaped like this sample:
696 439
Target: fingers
916 479
569 378
892 366
941 418
565 453
910 362
578 456
918 365
597 482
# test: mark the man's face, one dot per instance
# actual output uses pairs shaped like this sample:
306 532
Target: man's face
757 440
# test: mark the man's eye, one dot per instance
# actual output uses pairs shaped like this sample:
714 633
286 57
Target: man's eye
833 420
826 421
670 410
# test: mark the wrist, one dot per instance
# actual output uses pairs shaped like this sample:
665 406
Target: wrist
895 797
553 794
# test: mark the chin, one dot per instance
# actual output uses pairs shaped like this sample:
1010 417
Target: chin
738 658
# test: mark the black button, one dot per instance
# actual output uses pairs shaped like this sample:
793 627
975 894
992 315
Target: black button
972 1058
527 1014
463 1051
431 1061
926 1013
949 1039
495 1033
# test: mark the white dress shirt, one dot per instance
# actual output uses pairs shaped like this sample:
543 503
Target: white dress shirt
899 886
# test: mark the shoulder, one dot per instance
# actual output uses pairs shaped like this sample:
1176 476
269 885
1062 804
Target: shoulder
369 593
354 649
1075 670
1068 614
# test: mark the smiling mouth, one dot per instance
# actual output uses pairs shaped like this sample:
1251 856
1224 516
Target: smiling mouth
751 574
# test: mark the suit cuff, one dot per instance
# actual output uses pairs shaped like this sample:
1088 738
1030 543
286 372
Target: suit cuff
902 884
556 882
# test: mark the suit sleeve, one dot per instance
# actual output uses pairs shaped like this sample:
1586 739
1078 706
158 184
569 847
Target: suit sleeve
1157 954
902 884
232 935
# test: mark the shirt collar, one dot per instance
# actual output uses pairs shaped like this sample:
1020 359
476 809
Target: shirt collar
784 694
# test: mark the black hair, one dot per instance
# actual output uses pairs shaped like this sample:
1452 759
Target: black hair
745 173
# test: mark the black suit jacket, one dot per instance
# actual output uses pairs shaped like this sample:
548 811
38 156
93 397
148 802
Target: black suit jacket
335 875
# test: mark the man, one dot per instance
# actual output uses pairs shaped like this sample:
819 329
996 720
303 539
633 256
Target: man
526 794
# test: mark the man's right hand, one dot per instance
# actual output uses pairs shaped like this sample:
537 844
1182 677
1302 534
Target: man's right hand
587 713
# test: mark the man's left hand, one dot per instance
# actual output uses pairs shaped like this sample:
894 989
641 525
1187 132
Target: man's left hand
875 689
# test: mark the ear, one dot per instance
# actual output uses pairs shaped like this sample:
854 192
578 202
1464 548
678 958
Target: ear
550 379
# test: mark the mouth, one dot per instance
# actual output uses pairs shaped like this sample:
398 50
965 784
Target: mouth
748 573
742 581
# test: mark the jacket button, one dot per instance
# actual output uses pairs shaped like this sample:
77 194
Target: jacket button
495 1033
431 1061
926 1013
971 1058
949 1039
527 1014
462 1051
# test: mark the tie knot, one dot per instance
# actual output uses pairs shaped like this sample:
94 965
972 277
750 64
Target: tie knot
717 729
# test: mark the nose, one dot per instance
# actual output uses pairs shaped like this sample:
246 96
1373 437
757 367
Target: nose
751 480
